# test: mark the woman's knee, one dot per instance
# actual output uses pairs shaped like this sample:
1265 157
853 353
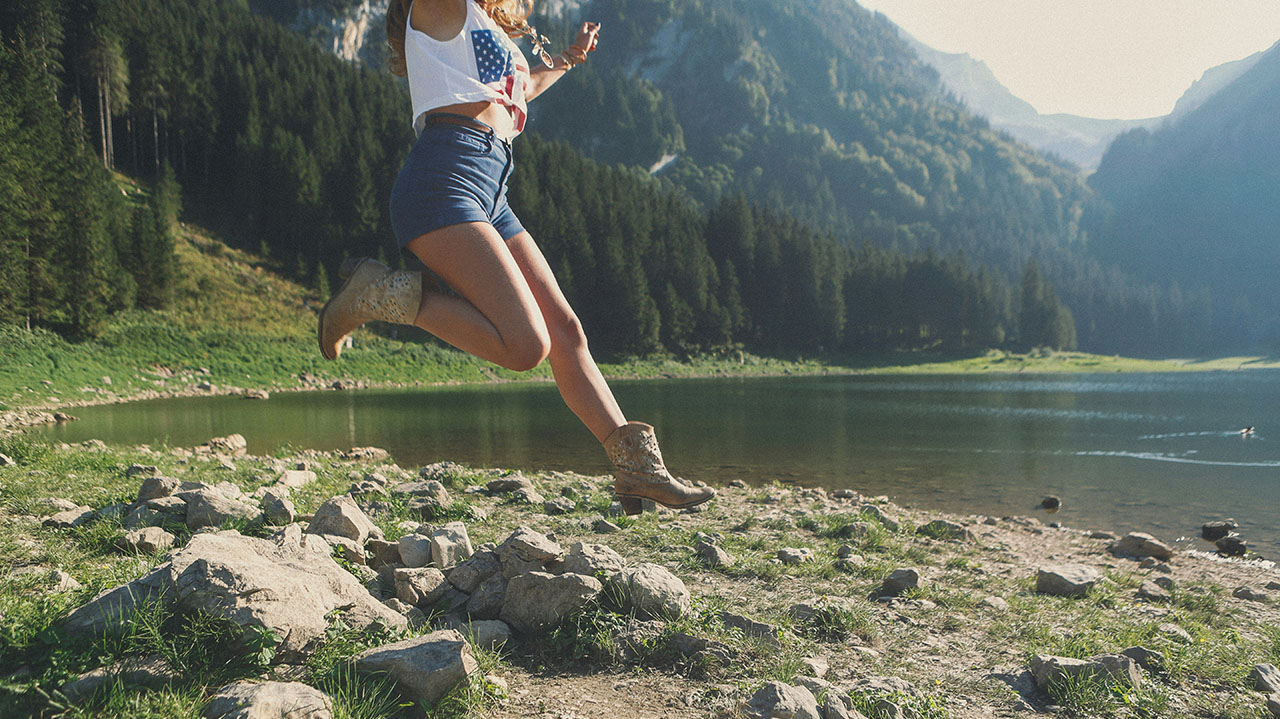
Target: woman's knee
566 333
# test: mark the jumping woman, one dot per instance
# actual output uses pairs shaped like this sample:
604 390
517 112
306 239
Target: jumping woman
469 84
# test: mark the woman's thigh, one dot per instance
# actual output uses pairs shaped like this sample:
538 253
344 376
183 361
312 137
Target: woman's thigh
559 316
472 258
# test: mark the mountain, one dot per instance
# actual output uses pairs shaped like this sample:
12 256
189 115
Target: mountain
1197 202
1082 140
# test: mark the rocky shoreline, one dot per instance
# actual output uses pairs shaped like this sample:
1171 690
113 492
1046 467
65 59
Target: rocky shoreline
490 593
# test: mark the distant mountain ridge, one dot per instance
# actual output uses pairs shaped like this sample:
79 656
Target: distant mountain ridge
1082 140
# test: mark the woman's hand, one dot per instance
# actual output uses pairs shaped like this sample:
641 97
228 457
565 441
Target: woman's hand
588 36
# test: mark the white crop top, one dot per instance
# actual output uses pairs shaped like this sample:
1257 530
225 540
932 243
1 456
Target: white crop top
480 63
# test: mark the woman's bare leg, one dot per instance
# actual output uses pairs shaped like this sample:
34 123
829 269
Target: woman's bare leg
498 317
577 376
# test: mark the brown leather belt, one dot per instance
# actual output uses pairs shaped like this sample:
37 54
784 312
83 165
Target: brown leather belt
462 120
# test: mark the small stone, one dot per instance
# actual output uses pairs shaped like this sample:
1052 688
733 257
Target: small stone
776 700
845 494
652 591
529 546
209 507
1249 594
488 599
148 540
295 478
815 666
415 550
450 545
157 487
738 484
268 700
604 526
945 529
478 567
711 555
888 522
257 394
341 516
1099 534
503 485
1165 583
484 633
1148 659
559 505
1152 592
421 586
1067 580
793 555
536 601
593 560
383 553
424 668
1213 531
1140 544
899 581
995 604
277 507
366 454
1232 545
69 518
1273 705
147 517
140 470
1051 503
62 581
1175 633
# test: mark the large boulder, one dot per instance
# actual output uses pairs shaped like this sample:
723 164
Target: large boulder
342 517
538 600
424 668
1067 580
268 700
652 591
289 586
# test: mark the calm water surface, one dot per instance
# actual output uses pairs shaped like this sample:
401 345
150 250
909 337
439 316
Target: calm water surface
1155 452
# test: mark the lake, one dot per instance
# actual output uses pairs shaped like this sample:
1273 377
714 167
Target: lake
1155 452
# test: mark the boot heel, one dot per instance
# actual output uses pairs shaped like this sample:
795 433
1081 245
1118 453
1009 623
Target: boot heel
631 505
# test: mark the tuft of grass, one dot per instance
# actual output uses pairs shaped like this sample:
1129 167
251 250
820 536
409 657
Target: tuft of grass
881 705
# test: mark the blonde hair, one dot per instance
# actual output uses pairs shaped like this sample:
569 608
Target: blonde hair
511 15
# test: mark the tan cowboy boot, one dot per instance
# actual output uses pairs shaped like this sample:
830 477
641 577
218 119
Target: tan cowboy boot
633 449
372 291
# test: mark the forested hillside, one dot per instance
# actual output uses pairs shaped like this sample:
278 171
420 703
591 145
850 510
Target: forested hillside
1198 202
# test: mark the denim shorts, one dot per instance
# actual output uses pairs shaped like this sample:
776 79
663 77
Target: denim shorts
453 174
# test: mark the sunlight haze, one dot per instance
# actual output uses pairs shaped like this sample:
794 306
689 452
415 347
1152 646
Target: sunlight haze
1095 58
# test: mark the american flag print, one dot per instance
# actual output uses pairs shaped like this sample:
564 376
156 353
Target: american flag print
499 69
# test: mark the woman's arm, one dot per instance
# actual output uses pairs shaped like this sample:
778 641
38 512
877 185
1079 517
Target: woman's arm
542 77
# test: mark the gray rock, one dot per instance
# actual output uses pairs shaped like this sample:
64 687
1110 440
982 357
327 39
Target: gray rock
1152 592
527 495
995 604
208 507
289 585
420 586
148 540
277 507
431 490
157 487
889 522
62 581
383 553
295 478
503 485
593 560
1140 544
7 461
604 526
69 518
538 600
1051 503
750 627
1050 670
450 545
711 555
341 517
423 668
366 454
152 672
526 545
487 600
795 555
1067 580
1265 678
559 505
1273 705
652 591
147 517
268 700
1213 531
899 581
1232 545
415 550
1148 659
1175 633
140 470
483 633
1165 583
945 529
815 666
478 567
1250 594
176 507
776 700
232 445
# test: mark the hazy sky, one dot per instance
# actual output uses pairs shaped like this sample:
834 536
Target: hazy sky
1096 58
